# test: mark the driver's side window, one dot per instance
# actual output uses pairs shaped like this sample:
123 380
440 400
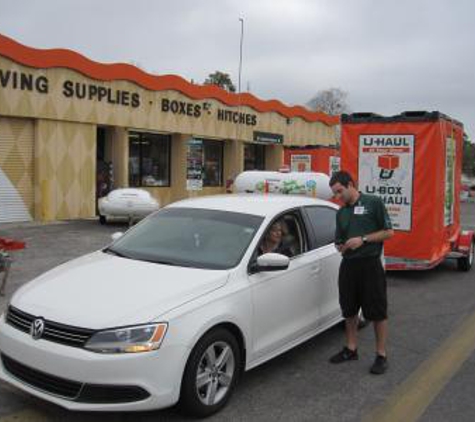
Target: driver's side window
294 239
284 235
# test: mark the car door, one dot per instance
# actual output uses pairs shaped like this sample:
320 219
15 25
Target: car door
284 302
322 219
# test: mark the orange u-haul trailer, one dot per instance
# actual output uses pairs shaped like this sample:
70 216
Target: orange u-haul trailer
413 161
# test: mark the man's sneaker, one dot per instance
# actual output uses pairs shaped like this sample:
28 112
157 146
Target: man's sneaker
344 356
380 365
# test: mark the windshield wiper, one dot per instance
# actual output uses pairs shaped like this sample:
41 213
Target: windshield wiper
114 252
159 261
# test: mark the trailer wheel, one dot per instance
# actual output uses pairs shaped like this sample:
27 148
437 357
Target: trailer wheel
102 219
466 262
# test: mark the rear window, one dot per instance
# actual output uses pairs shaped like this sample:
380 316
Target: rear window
323 221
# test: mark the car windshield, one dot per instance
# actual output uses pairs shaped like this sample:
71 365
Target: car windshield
190 237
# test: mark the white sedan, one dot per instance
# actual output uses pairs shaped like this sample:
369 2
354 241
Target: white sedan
176 308
129 203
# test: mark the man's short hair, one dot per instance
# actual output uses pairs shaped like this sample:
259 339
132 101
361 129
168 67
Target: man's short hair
342 177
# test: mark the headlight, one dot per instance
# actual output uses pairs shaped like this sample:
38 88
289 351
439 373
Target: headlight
142 338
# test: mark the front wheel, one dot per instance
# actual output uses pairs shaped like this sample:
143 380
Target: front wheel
211 373
466 262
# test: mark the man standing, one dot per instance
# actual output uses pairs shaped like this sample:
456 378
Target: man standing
362 225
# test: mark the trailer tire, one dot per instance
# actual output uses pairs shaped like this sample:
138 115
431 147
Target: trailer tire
465 263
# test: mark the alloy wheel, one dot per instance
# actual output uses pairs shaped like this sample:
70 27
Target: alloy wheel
216 370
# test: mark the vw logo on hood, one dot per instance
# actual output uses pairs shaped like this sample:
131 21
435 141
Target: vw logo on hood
37 328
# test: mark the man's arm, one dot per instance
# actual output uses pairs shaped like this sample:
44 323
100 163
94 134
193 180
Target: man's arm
338 234
380 236
375 237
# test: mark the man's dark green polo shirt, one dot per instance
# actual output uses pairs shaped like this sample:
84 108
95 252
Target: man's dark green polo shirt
367 215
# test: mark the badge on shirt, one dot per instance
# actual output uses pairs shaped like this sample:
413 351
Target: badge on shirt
359 210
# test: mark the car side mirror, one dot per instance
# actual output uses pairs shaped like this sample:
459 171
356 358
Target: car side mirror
272 262
116 235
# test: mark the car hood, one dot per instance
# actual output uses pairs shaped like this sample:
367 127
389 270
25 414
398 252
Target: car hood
102 291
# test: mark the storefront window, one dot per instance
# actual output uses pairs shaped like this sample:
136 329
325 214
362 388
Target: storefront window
212 163
254 157
149 159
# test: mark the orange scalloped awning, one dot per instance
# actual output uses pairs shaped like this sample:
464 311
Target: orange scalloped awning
44 59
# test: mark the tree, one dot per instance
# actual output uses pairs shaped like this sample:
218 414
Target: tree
221 79
330 101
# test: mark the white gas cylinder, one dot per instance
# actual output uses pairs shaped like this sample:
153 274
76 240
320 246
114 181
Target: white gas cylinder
294 183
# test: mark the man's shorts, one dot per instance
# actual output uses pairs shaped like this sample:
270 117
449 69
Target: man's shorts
362 284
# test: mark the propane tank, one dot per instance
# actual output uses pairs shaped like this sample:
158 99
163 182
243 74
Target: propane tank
293 183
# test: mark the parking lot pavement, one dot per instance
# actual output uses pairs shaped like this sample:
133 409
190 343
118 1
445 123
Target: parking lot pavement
467 213
425 309
48 245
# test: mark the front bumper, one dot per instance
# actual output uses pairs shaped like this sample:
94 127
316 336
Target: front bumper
157 373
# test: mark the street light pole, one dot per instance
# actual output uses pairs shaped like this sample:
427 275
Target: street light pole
240 54
237 143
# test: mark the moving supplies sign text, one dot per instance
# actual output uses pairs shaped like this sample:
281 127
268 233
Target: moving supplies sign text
101 92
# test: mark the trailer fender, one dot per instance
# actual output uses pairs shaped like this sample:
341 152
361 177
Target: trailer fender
464 241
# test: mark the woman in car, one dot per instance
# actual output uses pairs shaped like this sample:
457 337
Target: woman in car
273 241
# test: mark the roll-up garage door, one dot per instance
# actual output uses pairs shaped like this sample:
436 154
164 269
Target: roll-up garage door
16 169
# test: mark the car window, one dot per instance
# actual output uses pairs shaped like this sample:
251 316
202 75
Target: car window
294 237
284 235
323 221
190 237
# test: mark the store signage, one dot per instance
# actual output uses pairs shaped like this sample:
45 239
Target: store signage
182 107
79 90
194 165
300 162
334 163
192 109
23 81
94 92
100 93
268 138
237 117
386 169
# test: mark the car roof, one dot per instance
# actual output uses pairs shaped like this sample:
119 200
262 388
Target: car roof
255 204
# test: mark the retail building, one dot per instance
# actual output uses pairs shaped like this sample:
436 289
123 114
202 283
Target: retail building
72 128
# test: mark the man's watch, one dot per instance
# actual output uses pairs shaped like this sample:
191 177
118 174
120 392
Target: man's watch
364 239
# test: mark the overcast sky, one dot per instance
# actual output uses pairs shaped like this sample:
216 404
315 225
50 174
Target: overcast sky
389 56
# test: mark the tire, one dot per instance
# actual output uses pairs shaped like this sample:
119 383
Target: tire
465 263
102 219
217 382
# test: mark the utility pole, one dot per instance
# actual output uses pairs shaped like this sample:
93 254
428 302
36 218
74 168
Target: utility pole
240 53
236 145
